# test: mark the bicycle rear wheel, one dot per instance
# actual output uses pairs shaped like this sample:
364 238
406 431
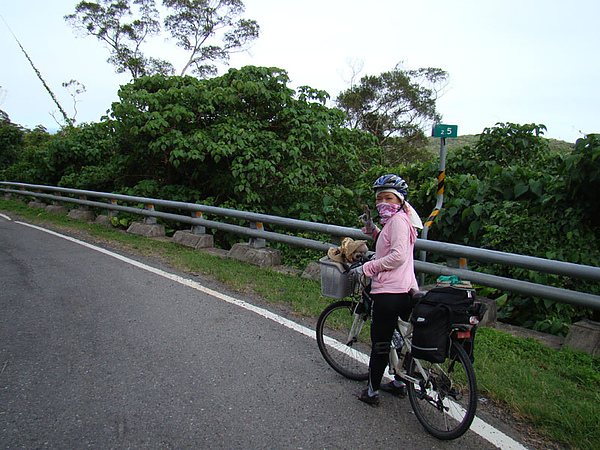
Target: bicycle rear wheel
344 339
445 400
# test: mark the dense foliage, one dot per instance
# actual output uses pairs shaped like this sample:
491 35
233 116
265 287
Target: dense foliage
245 140
11 141
241 139
511 193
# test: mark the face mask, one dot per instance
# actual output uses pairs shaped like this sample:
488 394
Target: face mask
387 210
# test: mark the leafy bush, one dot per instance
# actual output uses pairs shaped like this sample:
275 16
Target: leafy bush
245 138
11 141
511 193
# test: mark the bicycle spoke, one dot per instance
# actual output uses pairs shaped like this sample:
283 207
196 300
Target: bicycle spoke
343 339
445 399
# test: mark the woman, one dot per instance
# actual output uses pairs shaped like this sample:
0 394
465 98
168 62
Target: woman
392 277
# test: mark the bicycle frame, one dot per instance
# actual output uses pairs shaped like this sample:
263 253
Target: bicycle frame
395 363
405 329
437 391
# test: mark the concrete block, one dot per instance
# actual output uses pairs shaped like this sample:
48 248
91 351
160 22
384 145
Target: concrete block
146 229
312 271
103 220
56 209
491 315
262 257
585 336
81 214
194 240
36 205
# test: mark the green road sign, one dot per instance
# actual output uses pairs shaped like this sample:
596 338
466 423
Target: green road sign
445 131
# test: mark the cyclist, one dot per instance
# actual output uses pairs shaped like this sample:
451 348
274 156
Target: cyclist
392 274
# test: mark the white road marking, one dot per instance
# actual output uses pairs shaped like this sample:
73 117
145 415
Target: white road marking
486 431
5 217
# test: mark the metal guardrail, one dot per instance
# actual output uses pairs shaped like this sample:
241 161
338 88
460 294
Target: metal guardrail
258 235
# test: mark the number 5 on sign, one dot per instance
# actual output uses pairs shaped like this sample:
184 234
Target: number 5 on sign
445 131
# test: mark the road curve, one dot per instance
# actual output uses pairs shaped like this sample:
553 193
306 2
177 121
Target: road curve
99 350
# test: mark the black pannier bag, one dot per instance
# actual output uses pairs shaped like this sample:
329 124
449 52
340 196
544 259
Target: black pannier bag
433 317
431 326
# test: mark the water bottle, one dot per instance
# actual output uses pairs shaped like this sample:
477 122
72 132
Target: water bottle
397 340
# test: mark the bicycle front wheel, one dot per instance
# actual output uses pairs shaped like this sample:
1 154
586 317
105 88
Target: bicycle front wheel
344 339
445 397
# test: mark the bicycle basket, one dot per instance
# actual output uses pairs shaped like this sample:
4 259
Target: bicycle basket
335 282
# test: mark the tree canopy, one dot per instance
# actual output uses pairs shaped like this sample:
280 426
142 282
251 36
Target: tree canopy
208 29
244 137
197 24
124 26
11 140
394 107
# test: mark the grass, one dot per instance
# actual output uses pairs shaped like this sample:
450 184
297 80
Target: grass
556 393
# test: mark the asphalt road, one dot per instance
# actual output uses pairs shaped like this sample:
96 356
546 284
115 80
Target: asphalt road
98 353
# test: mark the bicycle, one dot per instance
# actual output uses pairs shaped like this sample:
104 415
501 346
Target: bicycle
443 395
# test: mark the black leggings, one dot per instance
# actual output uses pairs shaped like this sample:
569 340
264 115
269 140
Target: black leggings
386 309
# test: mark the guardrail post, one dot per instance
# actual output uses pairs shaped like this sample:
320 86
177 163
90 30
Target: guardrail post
82 212
57 207
113 212
35 203
198 229
257 242
196 237
149 219
457 263
256 251
83 207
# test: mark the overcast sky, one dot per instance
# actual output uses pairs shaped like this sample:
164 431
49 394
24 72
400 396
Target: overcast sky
523 61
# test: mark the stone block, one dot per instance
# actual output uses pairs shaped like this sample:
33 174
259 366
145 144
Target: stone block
146 229
194 240
81 214
312 271
585 336
262 257
103 220
56 209
491 315
36 205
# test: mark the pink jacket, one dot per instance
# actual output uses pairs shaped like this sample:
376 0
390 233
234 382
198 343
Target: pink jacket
392 271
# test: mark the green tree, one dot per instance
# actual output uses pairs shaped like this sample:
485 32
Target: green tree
109 21
208 29
394 107
30 164
244 138
195 23
11 141
510 144
581 170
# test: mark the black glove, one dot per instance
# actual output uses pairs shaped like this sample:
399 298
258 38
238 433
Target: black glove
367 220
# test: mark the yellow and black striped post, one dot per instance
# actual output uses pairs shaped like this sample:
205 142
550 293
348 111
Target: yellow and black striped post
439 202
440 193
